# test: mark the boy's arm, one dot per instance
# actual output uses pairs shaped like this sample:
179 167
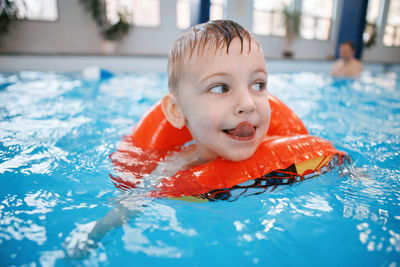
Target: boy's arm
114 219
86 237
128 205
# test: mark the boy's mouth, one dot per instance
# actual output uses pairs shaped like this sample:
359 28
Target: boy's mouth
243 131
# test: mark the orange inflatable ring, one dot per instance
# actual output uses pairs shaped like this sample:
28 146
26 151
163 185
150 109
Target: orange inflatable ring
289 154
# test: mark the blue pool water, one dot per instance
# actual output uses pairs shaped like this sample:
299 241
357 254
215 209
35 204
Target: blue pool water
57 131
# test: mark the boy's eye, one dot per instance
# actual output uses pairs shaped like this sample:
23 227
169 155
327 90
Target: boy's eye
258 86
219 89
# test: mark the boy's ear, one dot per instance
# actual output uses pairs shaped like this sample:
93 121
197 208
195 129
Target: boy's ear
172 111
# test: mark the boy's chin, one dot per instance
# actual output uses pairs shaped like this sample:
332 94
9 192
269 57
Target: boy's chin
239 155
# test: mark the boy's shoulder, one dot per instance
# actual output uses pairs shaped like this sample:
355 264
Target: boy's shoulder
177 161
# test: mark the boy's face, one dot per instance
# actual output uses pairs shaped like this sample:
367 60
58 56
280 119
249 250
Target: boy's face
345 51
223 97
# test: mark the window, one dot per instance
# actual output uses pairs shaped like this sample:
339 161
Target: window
392 28
37 9
183 14
217 9
145 13
316 19
185 9
267 17
369 36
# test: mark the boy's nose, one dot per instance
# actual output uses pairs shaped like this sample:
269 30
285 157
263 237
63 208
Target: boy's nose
245 103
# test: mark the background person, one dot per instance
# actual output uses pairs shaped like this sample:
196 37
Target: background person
347 65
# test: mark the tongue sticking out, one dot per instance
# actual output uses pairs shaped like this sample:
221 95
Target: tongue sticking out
243 130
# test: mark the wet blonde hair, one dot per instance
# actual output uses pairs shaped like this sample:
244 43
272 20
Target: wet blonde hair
219 33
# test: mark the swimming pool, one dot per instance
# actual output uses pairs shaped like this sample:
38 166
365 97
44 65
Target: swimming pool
57 131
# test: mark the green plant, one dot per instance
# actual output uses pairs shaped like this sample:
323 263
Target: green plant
8 13
292 21
369 35
118 30
109 31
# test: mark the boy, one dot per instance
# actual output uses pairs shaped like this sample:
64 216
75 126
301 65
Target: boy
347 65
217 82
217 88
